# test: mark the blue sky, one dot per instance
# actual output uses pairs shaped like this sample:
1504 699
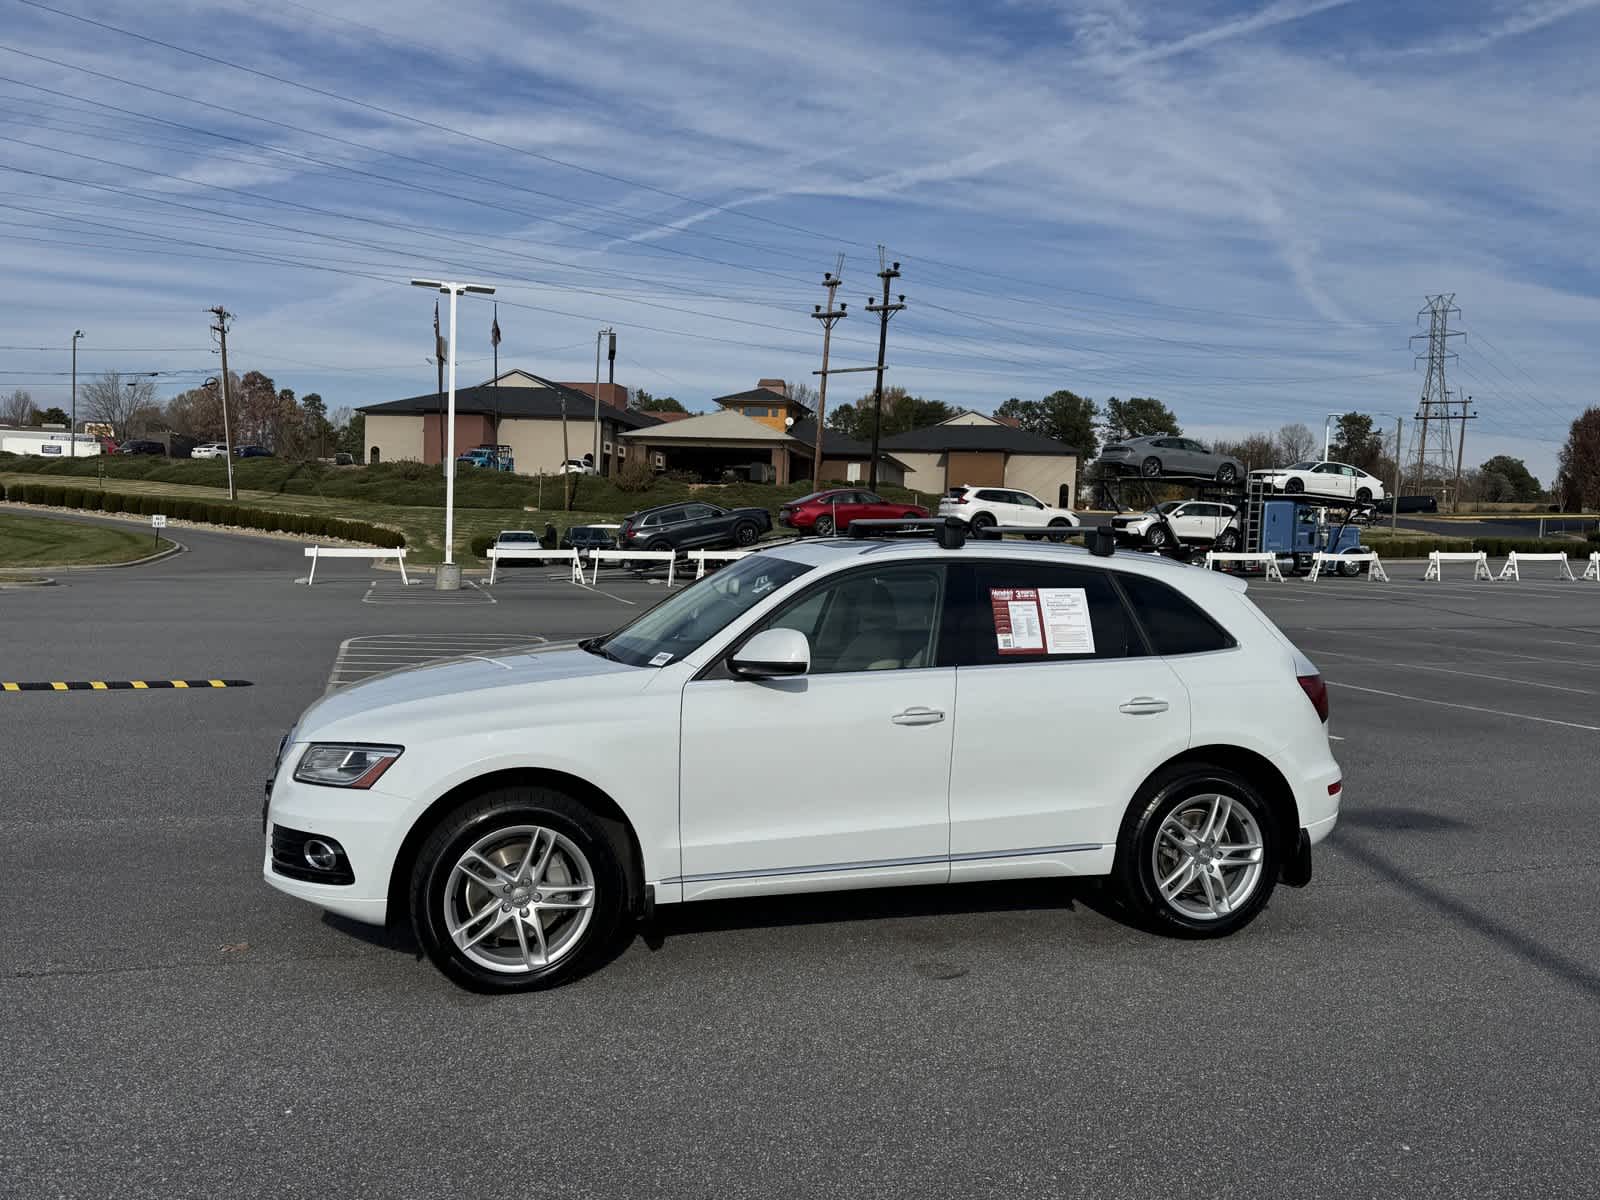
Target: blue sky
1236 208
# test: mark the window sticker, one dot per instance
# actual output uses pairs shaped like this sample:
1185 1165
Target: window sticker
1066 621
1035 620
1018 628
661 659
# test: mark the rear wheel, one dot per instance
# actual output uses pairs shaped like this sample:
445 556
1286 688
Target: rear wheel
823 527
519 890
1227 541
981 521
659 544
1227 473
1364 495
1198 856
1151 467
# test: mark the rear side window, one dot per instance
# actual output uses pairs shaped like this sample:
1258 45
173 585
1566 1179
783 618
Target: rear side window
1174 623
1009 612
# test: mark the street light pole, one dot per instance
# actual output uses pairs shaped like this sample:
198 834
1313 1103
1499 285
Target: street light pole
449 577
72 431
604 333
1327 434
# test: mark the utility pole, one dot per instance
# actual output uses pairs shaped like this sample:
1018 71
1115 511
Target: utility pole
1433 408
604 333
829 318
885 310
566 476
1394 500
1461 449
223 316
72 431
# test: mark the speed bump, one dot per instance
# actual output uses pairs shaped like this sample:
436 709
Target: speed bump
116 685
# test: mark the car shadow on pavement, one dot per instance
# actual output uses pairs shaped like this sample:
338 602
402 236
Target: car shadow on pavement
1526 947
1396 818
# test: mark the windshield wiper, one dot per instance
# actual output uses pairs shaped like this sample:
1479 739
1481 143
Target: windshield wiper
597 645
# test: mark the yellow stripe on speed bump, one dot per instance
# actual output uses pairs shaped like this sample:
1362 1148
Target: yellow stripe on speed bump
140 684
60 687
179 683
98 685
11 687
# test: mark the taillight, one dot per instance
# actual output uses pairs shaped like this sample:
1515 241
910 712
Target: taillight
1317 692
956 499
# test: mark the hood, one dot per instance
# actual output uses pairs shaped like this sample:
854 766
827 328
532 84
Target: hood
477 682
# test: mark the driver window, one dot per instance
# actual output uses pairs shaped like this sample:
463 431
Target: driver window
882 620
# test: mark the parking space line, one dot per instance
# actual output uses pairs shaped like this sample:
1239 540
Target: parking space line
1400 666
1495 712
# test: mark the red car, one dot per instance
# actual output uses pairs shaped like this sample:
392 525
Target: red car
823 513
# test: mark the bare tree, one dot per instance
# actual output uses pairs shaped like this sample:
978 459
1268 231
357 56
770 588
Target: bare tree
123 404
803 392
1295 443
18 408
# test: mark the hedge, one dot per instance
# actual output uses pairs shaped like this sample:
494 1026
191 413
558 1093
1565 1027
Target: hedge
204 511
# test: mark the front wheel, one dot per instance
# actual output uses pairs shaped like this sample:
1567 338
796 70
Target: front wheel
1158 537
1349 569
1059 524
519 890
1227 474
1364 495
823 527
1227 541
1295 485
1198 855
745 534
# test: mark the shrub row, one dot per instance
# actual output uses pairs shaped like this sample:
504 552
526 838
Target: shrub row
59 496
1403 547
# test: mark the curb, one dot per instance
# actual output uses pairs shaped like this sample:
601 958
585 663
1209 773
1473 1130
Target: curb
10 584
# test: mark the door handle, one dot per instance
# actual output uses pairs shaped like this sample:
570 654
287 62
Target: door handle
1143 706
918 716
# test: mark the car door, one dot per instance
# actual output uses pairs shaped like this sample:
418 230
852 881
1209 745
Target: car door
702 525
1062 712
1330 480
1028 510
838 778
1189 521
845 507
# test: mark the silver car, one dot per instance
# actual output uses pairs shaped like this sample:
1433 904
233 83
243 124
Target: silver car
1166 454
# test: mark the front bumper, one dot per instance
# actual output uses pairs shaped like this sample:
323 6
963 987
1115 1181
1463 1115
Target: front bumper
367 826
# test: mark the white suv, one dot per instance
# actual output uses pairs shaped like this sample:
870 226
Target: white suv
982 507
1189 520
989 711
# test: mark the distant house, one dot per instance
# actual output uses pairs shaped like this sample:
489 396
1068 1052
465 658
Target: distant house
984 451
768 402
529 411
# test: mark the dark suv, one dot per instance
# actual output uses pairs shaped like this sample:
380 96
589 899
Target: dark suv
141 446
692 526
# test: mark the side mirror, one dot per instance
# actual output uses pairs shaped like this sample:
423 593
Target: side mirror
772 654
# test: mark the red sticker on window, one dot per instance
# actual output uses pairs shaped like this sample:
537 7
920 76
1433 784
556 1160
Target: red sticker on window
1018 626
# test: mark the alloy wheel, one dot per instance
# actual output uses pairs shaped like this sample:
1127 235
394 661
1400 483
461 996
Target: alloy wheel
519 899
1208 856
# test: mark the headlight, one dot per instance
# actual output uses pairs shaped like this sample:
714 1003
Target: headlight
345 764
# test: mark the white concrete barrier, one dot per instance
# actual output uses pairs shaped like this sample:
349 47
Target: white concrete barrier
535 553
1213 557
319 552
1479 559
1513 569
1592 571
670 557
1374 572
701 557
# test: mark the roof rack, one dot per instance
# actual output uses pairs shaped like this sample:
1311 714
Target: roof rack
952 532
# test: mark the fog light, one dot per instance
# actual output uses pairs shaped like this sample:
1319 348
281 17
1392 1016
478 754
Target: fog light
319 855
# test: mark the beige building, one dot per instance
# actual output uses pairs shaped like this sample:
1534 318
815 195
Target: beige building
715 443
983 451
529 412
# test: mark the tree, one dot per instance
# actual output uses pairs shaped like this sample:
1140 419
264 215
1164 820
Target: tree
352 434
1580 463
1504 478
255 408
317 428
1257 451
659 404
1139 416
901 412
51 416
123 404
1358 443
18 409
1062 415
1295 443
802 392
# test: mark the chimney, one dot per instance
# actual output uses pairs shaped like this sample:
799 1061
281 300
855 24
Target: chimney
774 385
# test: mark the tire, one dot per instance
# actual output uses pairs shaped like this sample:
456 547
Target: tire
1295 485
745 534
1227 473
980 522
659 544
1157 537
1190 795
823 527
574 847
1150 467
1349 569
1364 495
1059 523
1227 541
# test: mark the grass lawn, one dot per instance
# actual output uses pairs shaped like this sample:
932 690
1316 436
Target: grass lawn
39 542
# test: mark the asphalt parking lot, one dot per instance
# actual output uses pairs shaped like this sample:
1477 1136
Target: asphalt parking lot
1421 1021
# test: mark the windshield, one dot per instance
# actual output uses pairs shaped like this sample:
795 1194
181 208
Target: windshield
1169 506
1305 466
680 624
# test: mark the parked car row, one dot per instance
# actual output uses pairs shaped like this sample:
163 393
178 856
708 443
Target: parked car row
828 512
205 450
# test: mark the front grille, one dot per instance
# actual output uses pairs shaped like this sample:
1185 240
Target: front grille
289 858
